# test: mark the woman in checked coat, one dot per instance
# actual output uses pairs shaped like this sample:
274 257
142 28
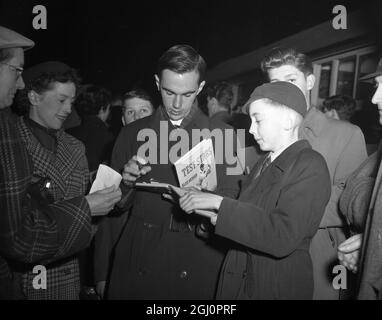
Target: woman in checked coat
59 159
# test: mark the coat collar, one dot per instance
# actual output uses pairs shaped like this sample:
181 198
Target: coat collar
195 119
283 161
314 121
278 166
60 164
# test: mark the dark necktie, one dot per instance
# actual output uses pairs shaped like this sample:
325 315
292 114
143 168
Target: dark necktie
267 161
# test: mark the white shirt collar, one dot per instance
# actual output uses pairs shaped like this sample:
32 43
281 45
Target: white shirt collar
177 122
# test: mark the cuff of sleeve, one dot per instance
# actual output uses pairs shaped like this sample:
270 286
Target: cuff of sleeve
225 217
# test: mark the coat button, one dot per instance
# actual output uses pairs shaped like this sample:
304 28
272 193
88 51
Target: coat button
142 272
148 225
183 275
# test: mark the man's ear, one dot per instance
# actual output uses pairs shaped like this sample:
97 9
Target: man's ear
201 86
157 81
310 81
288 124
34 98
289 121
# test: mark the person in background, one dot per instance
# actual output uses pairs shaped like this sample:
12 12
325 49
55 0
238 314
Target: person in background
32 230
361 203
114 121
341 143
219 99
137 104
339 107
58 159
93 105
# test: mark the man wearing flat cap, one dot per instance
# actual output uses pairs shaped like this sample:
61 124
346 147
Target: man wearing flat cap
361 203
271 224
32 230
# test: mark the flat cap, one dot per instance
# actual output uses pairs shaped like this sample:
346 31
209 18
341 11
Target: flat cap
282 92
12 39
376 73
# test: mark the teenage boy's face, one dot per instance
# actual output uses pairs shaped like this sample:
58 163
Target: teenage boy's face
377 98
267 125
291 74
178 92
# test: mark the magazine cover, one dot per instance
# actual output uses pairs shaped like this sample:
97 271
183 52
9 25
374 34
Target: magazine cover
197 167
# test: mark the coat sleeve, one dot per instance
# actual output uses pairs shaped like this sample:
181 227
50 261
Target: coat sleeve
229 171
355 199
352 156
32 232
279 231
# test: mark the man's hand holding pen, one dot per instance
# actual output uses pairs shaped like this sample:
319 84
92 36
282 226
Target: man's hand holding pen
135 168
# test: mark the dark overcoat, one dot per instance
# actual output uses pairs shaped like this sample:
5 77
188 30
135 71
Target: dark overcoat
271 226
361 202
159 255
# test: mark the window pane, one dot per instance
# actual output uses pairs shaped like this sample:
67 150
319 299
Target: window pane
367 64
323 91
346 72
367 117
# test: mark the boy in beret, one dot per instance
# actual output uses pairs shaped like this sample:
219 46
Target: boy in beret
343 147
279 208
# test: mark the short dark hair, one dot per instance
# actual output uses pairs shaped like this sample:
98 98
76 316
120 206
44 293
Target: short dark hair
138 93
222 92
42 83
182 59
278 57
343 104
91 99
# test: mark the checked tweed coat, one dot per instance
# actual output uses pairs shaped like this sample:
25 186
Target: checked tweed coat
68 171
29 232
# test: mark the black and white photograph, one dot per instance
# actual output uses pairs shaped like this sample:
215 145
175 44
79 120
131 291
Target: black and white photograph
180 153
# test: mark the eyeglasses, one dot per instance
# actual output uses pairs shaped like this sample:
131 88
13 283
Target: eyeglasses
18 70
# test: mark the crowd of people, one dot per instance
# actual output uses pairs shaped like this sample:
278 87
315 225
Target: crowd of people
305 199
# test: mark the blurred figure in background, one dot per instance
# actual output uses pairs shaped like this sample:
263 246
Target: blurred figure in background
115 118
219 100
137 104
93 105
340 107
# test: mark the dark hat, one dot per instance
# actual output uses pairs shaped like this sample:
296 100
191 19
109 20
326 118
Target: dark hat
371 76
12 39
282 92
36 71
